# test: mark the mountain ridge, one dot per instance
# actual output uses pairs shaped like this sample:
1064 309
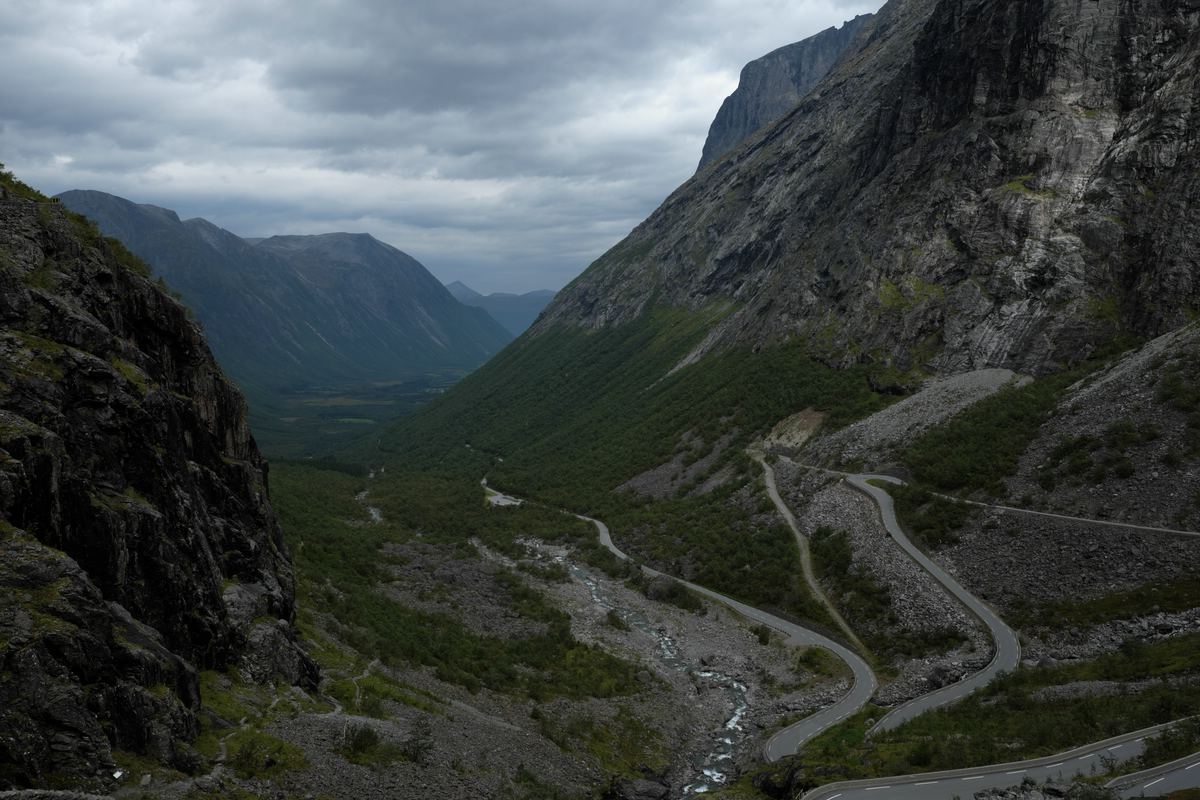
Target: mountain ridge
328 335
516 312
1020 215
770 86
290 285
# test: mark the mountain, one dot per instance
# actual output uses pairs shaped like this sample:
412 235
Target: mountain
980 184
516 312
293 310
138 545
773 85
967 258
964 191
291 318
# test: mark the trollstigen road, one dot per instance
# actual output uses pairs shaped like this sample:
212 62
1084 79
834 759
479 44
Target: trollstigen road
946 785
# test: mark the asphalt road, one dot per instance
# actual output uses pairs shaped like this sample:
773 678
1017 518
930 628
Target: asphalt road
1181 774
1107 523
789 739
950 784
1086 760
1008 646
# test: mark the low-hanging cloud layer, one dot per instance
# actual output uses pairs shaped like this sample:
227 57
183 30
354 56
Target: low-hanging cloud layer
504 144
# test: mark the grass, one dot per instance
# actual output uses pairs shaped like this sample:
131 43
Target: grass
930 520
49 210
1172 596
1090 460
255 754
340 566
1179 387
819 662
622 744
1177 742
978 448
567 417
362 745
574 413
712 540
1021 185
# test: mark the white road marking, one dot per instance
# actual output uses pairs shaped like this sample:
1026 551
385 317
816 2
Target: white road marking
836 796
925 783
975 778
1052 766
1116 747
1197 764
873 789
1015 772
1151 783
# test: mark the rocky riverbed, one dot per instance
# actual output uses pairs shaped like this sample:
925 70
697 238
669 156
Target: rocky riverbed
707 652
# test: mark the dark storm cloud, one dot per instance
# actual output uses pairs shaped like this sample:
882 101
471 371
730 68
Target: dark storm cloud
506 144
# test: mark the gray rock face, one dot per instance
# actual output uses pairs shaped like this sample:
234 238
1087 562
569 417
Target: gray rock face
133 500
771 86
980 184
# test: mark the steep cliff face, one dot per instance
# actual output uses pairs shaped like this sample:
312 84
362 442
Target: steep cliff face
982 183
137 544
771 86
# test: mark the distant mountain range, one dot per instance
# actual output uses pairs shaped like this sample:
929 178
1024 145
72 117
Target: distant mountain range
302 314
516 312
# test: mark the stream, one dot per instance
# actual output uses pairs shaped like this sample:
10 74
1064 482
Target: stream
717 767
375 514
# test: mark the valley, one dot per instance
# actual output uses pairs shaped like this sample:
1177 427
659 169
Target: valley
866 466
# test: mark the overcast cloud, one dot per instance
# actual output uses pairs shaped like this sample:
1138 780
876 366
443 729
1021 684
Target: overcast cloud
503 144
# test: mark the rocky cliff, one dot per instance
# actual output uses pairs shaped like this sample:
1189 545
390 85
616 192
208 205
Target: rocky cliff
137 544
982 183
773 85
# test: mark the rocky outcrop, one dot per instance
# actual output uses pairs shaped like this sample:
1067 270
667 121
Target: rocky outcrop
137 544
771 86
982 183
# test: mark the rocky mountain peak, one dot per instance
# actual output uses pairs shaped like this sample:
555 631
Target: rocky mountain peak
771 86
980 184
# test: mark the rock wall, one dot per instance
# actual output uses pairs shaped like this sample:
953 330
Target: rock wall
771 86
981 183
137 543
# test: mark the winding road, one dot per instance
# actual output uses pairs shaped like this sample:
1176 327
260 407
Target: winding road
789 739
1008 647
947 785
1087 760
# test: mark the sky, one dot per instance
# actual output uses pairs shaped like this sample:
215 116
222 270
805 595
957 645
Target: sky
506 145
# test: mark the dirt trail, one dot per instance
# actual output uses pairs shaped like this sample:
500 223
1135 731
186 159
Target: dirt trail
806 566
